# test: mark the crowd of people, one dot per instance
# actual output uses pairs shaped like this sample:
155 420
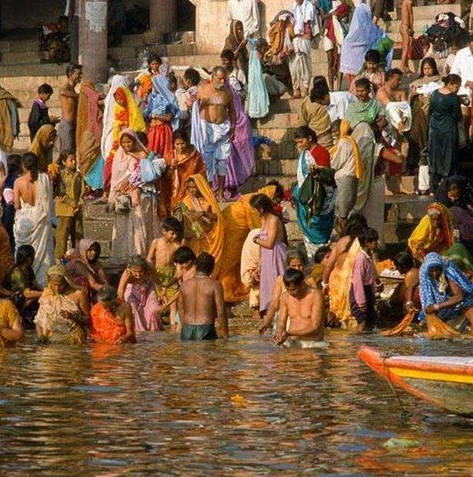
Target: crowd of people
167 155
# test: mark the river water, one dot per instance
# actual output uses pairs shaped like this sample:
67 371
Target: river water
236 408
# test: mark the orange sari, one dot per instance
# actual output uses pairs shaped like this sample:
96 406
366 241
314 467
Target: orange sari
106 327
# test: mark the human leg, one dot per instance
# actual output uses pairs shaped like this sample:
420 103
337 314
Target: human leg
63 230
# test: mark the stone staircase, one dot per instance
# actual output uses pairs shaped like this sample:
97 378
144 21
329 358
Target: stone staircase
21 73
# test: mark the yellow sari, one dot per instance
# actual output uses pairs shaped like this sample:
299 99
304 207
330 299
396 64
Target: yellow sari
239 218
39 146
339 286
204 240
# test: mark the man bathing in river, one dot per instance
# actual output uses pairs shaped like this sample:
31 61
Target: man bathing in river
304 306
201 304
217 126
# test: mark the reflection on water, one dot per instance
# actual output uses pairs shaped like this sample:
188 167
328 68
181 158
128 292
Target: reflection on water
238 408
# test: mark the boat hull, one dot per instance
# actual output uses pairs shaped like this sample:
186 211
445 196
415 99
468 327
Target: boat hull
446 382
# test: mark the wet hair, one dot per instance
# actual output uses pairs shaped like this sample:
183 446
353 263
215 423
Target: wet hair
220 69
45 89
205 263
295 254
30 162
137 261
279 193
154 57
320 254
367 235
71 67
180 134
23 253
183 255
293 276
363 83
355 224
227 54
303 132
262 201
391 73
373 56
319 89
403 262
431 62
107 293
452 79
64 155
143 137
171 224
14 164
192 75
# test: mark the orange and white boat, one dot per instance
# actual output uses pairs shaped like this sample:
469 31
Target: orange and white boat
444 381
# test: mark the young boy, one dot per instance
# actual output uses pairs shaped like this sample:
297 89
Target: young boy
363 281
160 255
68 204
372 70
39 115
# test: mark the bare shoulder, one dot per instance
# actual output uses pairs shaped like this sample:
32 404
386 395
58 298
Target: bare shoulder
315 295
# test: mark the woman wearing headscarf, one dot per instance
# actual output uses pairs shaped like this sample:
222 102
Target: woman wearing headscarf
63 309
133 199
445 292
42 146
121 111
236 43
433 234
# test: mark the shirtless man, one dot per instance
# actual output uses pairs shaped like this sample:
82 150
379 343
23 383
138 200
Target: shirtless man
160 255
305 308
201 304
69 98
218 119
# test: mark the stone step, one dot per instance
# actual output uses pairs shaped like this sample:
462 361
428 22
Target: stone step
25 57
33 70
29 83
277 167
18 46
24 113
429 12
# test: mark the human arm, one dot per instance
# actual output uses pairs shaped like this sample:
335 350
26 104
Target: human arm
233 117
281 334
152 252
15 333
129 337
16 196
357 282
81 269
220 307
272 231
456 298
123 283
273 306
180 306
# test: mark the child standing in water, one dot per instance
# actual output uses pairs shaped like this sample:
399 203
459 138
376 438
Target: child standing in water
161 257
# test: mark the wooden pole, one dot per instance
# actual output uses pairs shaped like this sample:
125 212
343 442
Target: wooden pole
93 39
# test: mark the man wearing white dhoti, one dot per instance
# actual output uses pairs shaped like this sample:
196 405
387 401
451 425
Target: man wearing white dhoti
33 203
305 29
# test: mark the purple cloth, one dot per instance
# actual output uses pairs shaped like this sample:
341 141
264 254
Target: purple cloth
272 264
241 162
144 304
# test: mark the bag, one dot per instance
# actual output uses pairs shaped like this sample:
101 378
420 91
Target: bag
123 204
148 170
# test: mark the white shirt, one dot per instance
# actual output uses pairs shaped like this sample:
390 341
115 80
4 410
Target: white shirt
463 65
247 12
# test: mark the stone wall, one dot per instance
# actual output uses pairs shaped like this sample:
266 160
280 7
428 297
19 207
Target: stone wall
28 13
211 21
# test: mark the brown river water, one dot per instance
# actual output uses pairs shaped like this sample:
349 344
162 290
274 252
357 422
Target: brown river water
237 408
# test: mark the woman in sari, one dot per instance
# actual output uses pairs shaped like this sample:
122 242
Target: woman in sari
204 229
443 142
34 209
89 127
420 102
236 43
134 202
315 193
272 241
185 162
162 116
138 288
336 277
111 319
445 291
22 282
433 234
63 309
121 112
85 268
42 146
239 219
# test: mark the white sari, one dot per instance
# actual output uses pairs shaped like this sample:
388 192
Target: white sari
33 227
